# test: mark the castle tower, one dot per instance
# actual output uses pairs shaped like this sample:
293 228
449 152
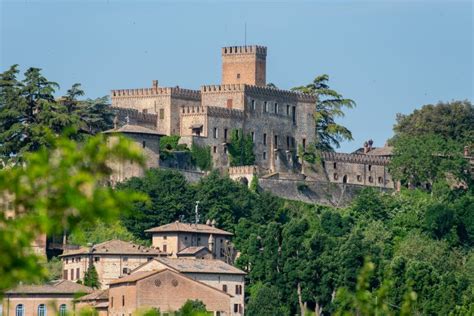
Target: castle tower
244 65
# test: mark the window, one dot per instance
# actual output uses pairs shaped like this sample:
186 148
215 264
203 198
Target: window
78 273
214 149
359 178
42 310
238 289
144 144
162 114
224 287
65 274
20 310
125 271
264 155
335 176
165 237
236 308
380 180
225 150
370 167
62 310
304 143
294 114
165 248
265 106
112 301
371 179
275 108
335 165
253 136
225 133
253 105
275 141
215 132
123 300
72 274
288 142
238 76
96 259
288 110
264 139
125 259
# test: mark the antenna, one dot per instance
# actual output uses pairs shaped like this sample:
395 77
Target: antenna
245 34
196 213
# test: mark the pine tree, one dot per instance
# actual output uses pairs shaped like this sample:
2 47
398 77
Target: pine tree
91 278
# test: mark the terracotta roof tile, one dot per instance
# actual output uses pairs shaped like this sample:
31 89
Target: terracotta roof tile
53 287
190 228
199 265
96 295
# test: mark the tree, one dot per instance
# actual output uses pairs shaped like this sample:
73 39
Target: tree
329 106
264 301
193 308
29 110
55 190
169 199
421 160
201 156
91 278
449 120
100 231
241 149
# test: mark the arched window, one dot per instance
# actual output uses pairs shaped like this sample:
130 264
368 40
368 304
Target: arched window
62 310
42 310
20 310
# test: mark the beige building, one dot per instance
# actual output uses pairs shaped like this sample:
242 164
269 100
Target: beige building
54 298
112 259
215 273
165 289
193 240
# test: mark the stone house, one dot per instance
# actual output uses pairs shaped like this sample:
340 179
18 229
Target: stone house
112 259
55 298
215 273
99 300
277 120
165 289
192 240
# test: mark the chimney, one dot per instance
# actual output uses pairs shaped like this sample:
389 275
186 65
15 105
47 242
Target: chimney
155 84
366 147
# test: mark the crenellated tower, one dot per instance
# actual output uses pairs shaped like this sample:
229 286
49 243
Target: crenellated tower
244 65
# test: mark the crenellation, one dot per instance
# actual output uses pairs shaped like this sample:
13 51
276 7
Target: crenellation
356 158
174 91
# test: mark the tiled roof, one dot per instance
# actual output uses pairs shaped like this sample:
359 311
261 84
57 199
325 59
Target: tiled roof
135 276
199 265
96 295
189 228
382 151
129 128
115 246
192 250
53 287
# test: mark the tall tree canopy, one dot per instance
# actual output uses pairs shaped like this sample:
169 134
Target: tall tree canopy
29 109
330 105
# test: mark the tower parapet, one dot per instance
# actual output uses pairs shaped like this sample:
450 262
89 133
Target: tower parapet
150 92
244 64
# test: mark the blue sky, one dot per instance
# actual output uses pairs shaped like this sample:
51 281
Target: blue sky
389 56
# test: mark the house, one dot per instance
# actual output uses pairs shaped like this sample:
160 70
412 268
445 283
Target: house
55 298
99 300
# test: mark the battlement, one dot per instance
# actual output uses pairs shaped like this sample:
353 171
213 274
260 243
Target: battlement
241 170
156 91
355 158
214 111
260 51
258 91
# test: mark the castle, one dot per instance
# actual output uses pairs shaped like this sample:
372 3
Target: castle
278 121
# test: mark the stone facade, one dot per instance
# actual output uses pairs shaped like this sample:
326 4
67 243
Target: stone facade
164 289
278 120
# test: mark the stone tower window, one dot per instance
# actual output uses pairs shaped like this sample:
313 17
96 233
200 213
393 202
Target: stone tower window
214 149
265 106
288 141
359 178
276 108
370 167
264 139
144 144
275 141
288 110
225 133
238 76
264 155
335 165
380 180
216 132
294 114
253 136
253 105
304 143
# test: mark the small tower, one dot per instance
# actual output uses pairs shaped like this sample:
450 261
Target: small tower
244 65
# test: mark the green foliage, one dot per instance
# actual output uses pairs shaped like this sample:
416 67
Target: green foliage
29 110
427 159
241 149
193 308
201 156
254 184
99 232
91 278
329 106
55 269
264 301
169 142
55 190
148 312
451 121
